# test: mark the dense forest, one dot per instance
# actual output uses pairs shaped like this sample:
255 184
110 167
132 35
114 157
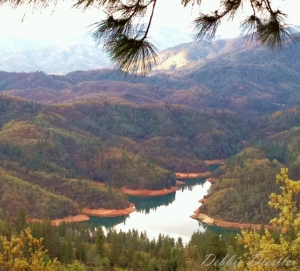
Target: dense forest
242 191
83 247
73 141
53 156
246 181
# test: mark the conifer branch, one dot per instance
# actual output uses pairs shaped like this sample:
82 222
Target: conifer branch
126 40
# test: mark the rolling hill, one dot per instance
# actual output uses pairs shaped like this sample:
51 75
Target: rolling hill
227 74
71 53
64 150
94 126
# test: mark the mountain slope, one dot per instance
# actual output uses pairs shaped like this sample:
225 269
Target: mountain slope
67 149
74 53
57 59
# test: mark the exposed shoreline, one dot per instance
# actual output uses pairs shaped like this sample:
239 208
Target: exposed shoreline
218 222
193 175
202 201
215 162
226 224
68 219
86 213
212 180
165 191
101 212
149 193
109 212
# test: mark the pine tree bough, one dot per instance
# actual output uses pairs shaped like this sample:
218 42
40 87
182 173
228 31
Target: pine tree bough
124 35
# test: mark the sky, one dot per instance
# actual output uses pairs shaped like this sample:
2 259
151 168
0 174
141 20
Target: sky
63 22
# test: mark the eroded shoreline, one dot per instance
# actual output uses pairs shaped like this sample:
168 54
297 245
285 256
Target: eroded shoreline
101 212
56 222
86 213
215 162
70 219
226 224
212 180
193 175
149 193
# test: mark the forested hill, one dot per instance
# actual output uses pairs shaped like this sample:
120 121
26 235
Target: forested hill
227 74
52 157
241 73
62 135
244 184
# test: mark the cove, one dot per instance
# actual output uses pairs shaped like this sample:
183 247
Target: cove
167 215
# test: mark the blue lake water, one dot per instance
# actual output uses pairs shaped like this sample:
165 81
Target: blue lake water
168 215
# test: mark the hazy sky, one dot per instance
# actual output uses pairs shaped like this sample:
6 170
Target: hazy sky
62 22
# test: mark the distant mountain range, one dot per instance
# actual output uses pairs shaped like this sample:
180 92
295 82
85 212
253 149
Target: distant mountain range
226 74
240 73
58 59
76 54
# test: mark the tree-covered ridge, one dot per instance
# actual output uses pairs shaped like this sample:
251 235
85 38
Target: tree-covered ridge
227 74
16 109
244 183
38 202
173 125
241 193
124 144
62 149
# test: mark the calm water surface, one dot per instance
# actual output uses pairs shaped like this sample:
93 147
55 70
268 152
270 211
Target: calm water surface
168 215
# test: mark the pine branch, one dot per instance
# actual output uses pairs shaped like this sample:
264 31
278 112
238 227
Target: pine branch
132 55
190 2
84 4
274 33
150 20
206 26
110 29
249 27
231 7
126 42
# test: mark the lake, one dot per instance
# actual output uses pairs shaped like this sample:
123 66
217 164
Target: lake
168 215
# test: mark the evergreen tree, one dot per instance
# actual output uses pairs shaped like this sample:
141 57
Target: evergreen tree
100 241
20 221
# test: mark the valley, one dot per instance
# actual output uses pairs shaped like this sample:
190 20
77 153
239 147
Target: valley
136 133
215 122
